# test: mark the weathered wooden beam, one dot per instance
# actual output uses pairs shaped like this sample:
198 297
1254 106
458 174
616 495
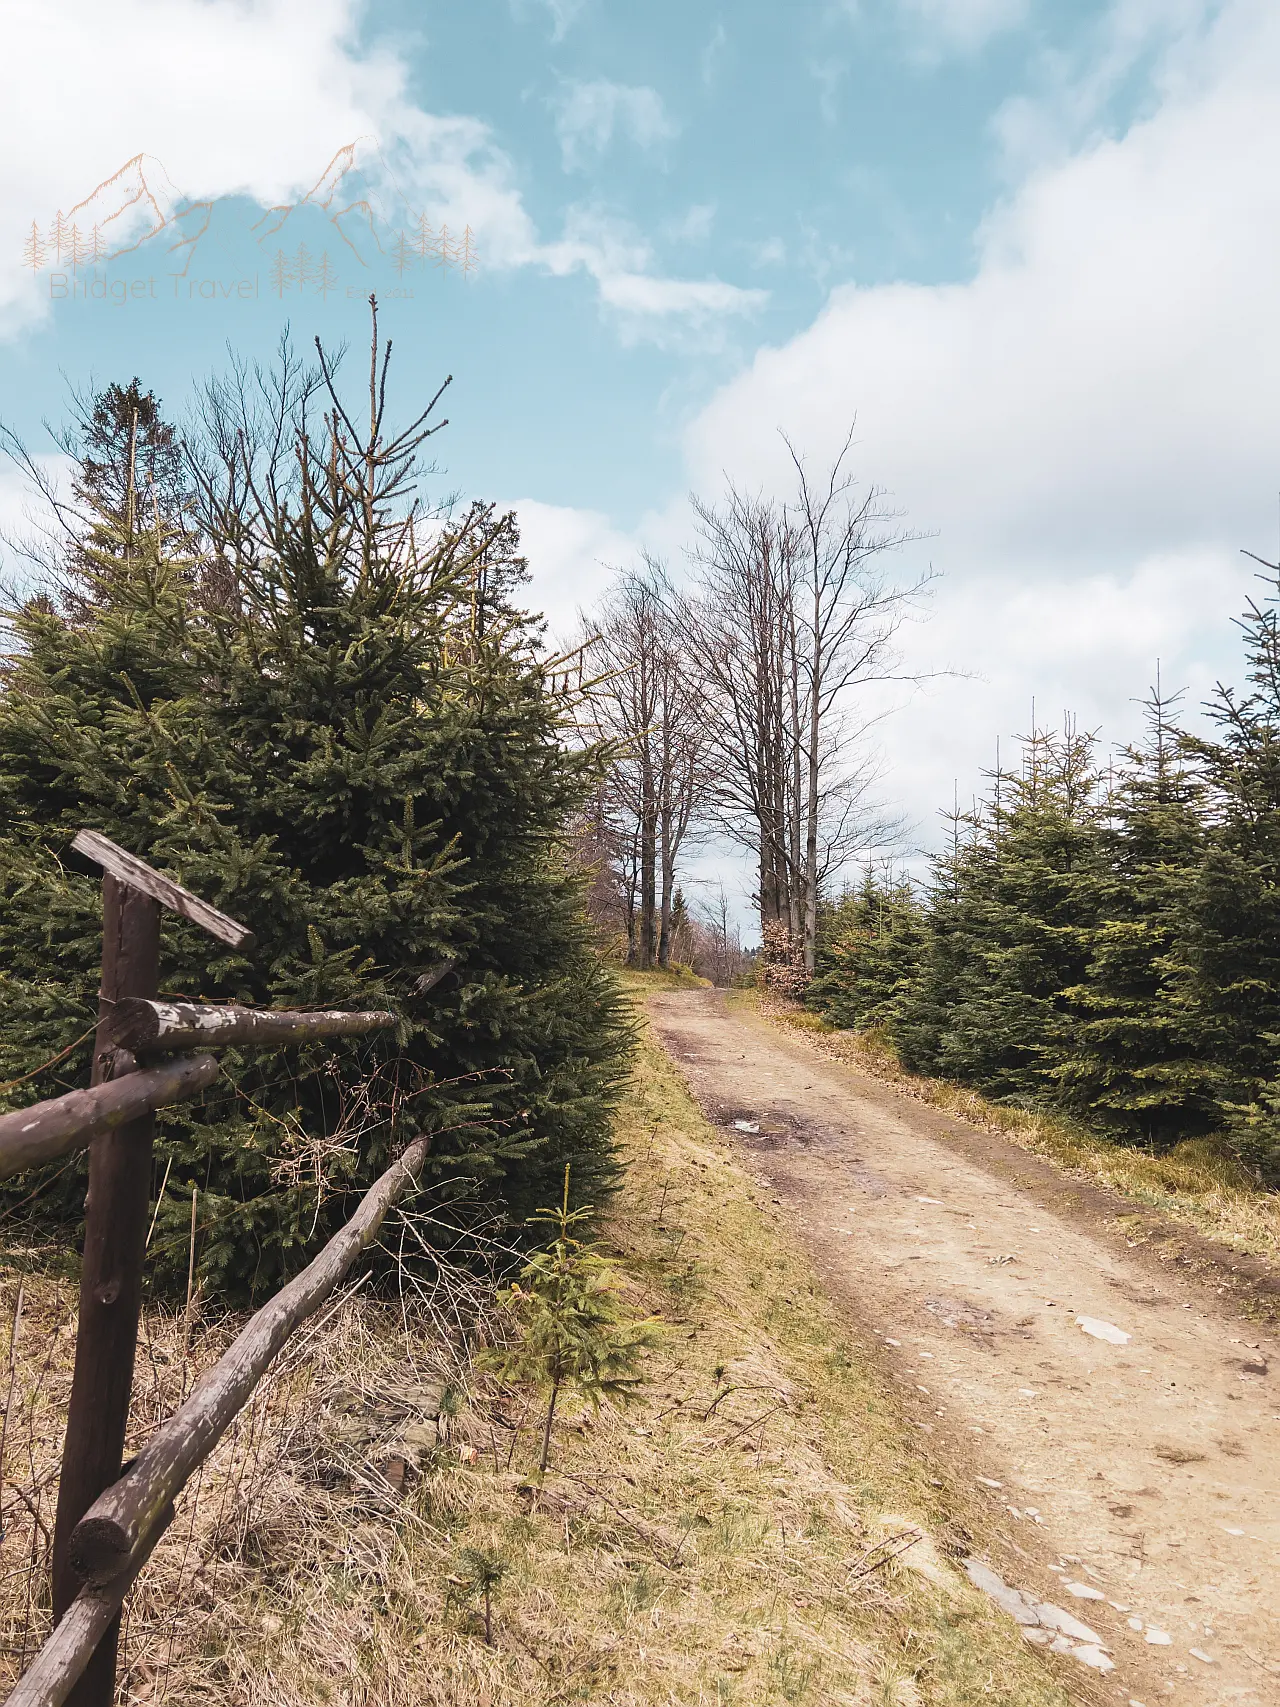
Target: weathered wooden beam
119 1524
60 1663
142 1025
55 1128
62 1658
115 1242
128 868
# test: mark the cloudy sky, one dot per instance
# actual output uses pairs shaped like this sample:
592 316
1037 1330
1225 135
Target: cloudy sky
1031 245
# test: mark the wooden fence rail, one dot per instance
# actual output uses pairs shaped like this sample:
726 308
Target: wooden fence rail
55 1128
142 1026
108 1523
114 1540
59 1666
123 1524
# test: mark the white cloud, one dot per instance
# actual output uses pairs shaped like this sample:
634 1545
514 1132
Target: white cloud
572 554
267 93
1089 424
713 52
639 293
1086 646
590 114
1106 382
644 304
963 24
693 226
1164 38
771 253
26 520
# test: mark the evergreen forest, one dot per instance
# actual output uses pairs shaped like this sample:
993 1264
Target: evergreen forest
1100 934
262 658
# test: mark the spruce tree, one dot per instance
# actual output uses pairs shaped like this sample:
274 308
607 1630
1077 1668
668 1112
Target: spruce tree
1135 1066
869 946
570 1327
342 755
1232 918
1012 907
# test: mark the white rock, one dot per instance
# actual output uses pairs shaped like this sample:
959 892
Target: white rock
1135 1623
1082 1591
1159 1638
747 1125
1094 1657
1103 1330
1010 1600
1199 1654
1054 1618
988 1483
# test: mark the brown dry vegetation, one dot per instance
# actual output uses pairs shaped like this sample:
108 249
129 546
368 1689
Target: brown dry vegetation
756 1528
1196 1182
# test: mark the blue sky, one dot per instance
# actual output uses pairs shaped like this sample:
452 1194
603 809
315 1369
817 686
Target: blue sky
1031 244
780 150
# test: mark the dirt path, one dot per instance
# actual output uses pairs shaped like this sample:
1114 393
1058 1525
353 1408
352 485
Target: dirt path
1146 1472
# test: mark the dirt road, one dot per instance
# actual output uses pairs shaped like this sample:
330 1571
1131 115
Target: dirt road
1142 1466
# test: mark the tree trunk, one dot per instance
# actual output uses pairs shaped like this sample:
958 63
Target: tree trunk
668 881
811 802
546 1432
648 871
798 919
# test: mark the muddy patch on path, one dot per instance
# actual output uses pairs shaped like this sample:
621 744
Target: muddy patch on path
963 1317
772 1129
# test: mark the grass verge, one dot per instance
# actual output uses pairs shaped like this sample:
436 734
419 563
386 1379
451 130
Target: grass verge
1195 1183
757 1528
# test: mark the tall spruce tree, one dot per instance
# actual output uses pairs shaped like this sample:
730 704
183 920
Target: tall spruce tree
1233 912
344 755
1135 1065
1012 906
869 946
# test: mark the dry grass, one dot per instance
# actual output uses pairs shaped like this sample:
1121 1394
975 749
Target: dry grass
1196 1183
756 1529
678 978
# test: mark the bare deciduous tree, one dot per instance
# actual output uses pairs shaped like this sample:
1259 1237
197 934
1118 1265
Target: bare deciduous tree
717 943
648 704
792 614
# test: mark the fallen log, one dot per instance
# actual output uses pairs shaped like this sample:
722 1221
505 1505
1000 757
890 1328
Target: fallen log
120 1523
54 1128
142 1025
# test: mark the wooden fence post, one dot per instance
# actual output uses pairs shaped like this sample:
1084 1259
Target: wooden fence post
111 1276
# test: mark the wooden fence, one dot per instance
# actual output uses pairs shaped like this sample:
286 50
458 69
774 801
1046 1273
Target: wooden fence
107 1523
